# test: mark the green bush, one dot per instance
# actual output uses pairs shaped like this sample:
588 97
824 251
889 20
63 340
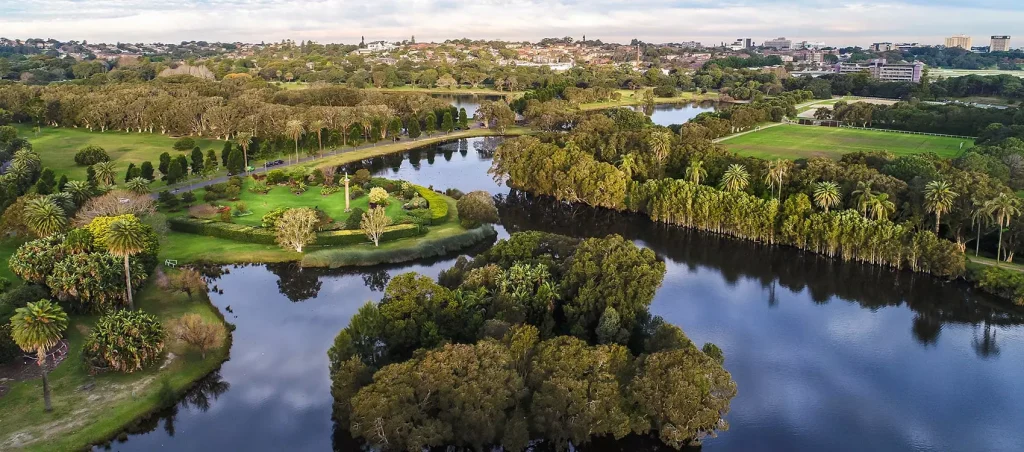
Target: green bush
9 350
357 236
1003 282
277 176
91 155
269 220
328 190
438 205
20 296
355 218
124 341
335 258
230 231
356 192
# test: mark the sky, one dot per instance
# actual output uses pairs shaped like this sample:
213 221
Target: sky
836 22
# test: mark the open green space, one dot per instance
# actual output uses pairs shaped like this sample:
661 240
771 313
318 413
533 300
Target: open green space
89 409
940 72
795 142
57 147
630 97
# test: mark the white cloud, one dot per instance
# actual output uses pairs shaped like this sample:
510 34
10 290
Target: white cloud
651 20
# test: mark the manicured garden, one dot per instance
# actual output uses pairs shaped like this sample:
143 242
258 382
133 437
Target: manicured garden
795 142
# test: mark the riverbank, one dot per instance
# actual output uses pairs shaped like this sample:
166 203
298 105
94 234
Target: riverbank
630 98
90 410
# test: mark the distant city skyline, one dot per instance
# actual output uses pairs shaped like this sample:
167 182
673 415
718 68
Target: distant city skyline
842 23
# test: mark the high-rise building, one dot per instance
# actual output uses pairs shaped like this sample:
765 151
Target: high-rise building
961 41
778 43
999 44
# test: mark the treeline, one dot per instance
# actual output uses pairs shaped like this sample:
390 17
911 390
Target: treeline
542 337
931 88
949 119
745 62
957 58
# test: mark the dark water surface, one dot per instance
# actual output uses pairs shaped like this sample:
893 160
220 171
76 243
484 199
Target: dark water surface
471 102
668 114
826 355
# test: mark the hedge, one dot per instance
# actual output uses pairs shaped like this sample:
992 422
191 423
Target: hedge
250 234
1006 283
437 202
366 256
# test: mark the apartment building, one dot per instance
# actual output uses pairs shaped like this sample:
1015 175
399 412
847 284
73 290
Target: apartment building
884 71
999 44
779 43
961 41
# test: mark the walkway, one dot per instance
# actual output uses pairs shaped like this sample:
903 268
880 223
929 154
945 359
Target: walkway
767 126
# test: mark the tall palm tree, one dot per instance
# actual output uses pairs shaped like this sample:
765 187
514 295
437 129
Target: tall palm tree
37 327
318 127
695 172
44 217
126 238
244 140
628 165
106 172
826 195
863 197
1003 208
660 143
735 178
980 218
775 174
938 199
295 130
769 175
881 207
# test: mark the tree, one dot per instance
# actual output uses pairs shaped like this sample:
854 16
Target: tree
165 163
244 140
980 218
822 113
125 341
378 196
44 217
775 176
374 223
938 199
476 207
296 228
125 238
196 332
46 182
132 172
1003 208
236 162
294 129
210 164
317 126
735 178
37 327
863 196
447 123
881 207
189 281
463 119
62 182
182 162
414 128
826 195
91 155
695 172
80 191
225 152
430 123
174 173
197 161
147 170
660 144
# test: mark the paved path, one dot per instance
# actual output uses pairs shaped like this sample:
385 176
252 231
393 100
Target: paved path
767 126
200 183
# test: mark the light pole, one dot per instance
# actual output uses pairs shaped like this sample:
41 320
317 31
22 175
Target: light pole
347 209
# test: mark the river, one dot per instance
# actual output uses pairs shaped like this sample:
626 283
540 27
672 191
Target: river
663 114
826 355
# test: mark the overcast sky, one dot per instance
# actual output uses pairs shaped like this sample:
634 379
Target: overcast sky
837 22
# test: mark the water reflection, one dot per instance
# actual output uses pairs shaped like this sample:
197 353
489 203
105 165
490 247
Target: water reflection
668 114
827 355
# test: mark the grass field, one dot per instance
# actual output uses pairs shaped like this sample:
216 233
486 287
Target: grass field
82 417
630 97
57 148
794 142
940 72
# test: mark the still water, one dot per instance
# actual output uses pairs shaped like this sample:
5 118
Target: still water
826 355
471 102
668 114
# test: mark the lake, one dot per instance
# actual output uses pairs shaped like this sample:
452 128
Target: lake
826 355
668 114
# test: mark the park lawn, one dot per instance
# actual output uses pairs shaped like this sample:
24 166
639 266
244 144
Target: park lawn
83 417
631 97
7 249
57 147
795 142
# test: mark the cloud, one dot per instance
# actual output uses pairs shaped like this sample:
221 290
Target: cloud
843 23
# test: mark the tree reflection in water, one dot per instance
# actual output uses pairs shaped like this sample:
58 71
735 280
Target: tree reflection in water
295 282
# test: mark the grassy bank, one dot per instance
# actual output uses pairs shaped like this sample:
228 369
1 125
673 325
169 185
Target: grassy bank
57 147
631 98
113 401
440 241
794 142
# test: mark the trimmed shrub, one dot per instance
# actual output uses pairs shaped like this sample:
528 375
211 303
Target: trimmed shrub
269 219
357 236
334 258
275 177
378 196
91 155
230 231
356 192
437 204
259 187
354 218
328 190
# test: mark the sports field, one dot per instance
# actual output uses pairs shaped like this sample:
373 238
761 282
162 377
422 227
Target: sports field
57 147
795 142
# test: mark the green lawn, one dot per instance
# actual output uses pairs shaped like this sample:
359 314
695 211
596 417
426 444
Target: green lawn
631 97
7 248
82 417
794 142
57 148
